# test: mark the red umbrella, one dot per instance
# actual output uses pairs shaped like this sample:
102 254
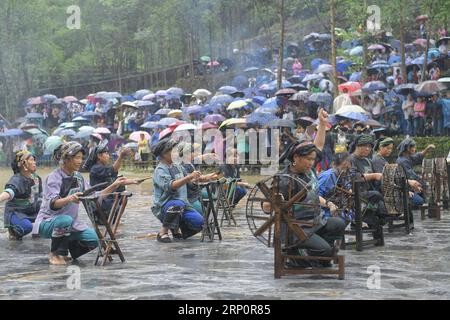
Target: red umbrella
69 99
35 101
166 132
420 42
177 124
206 126
350 86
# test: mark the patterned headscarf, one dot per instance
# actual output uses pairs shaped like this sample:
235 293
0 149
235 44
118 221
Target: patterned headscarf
67 150
19 159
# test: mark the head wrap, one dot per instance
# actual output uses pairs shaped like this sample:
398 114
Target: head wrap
405 145
339 158
19 158
163 146
67 150
362 140
302 148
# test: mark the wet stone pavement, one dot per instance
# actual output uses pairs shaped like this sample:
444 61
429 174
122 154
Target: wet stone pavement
239 267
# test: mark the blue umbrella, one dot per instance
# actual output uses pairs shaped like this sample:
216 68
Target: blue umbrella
221 100
82 135
356 51
65 133
249 93
49 97
111 95
127 98
312 77
167 121
354 116
80 119
194 109
265 110
324 98
11 133
138 95
261 118
355 77
284 84
144 103
315 63
163 112
419 61
151 125
259 100
175 91
374 86
343 65
229 90
271 103
296 79
394 59
380 66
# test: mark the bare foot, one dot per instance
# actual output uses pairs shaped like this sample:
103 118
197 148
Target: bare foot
67 259
55 260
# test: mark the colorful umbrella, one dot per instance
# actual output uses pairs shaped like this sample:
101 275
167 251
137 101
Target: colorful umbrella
350 86
194 109
430 87
150 96
228 90
237 105
214 118
351 108
150 125
202 93
51 144
286 92
166 132
206 126
240 122
185 127
69 99
175 113
374 86
301 96
163 112
375 47
324 68
102 131
167 121
136 136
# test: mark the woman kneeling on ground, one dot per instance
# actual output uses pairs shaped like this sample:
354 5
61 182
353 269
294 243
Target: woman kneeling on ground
23 192
58 217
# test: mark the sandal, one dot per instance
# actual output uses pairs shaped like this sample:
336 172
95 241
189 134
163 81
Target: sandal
163 238
13 235
176 235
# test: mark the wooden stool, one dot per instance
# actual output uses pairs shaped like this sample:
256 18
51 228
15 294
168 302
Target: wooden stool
108 244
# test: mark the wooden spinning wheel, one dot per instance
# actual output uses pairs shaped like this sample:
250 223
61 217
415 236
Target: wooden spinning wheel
432 189
271 219
429 179
396 193
442 171
393 189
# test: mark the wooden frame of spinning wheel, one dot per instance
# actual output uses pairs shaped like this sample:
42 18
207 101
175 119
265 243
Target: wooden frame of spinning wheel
433 204
280 209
